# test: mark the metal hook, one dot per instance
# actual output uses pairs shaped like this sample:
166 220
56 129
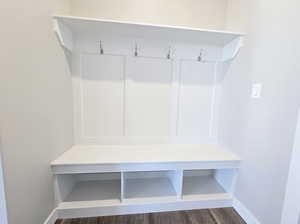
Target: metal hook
169 53
136 50
200 57
101 48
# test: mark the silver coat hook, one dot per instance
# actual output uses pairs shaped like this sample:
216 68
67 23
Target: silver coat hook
169 53
135 50
101 48
201 55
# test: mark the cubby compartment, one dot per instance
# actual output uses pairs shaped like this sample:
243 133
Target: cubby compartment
151 185
101 187
207 183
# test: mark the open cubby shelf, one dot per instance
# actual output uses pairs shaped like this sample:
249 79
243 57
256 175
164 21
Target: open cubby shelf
202 184
110 179
143 188
131 188
101 190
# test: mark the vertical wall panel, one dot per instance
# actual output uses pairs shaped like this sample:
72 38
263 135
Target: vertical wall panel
196 98
148 96
102 95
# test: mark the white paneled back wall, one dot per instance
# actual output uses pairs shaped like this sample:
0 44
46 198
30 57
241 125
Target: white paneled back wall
120 98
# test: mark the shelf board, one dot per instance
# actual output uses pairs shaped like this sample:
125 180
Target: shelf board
149 189
105 191
196 187
117 154
116 158
92 26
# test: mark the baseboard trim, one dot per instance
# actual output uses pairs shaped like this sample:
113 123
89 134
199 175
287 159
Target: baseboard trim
248 217
52 217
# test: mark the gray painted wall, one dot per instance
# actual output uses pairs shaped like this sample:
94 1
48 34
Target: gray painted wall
35 106
291 209
209 14
262 130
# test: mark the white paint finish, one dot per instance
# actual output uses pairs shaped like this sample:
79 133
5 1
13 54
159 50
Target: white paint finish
291 209
176 178
199 185
122 186
198 173
201 13
196 97
152 166
153 108
96 208
118 154
148 189
77 96
232 49
35 106
52 218
159 185
141 192
148 96
202 185
97 176
63 186
105 187
148 174
102 83
64 35
226 178
262 131
244 212
256 90
95 190
95 27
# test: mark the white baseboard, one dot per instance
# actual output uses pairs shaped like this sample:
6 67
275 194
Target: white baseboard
52 217
244 212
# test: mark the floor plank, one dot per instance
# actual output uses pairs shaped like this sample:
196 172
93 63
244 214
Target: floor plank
205 216
167 218
226 215
199 216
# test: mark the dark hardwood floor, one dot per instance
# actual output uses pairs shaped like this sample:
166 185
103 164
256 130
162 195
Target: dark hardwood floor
205 216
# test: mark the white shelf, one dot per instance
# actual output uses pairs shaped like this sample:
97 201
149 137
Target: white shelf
116 158
149 189
195 187
141 192
92 26
102 190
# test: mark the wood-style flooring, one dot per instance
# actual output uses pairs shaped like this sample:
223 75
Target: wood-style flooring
205 216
